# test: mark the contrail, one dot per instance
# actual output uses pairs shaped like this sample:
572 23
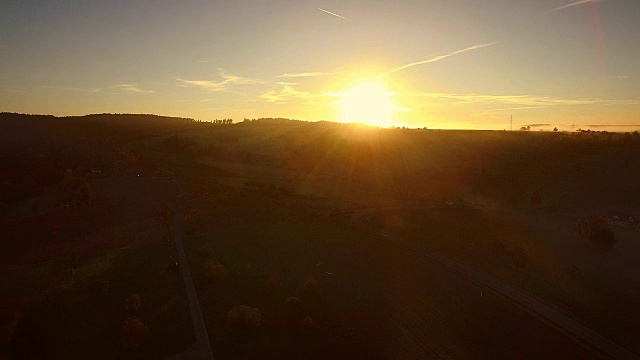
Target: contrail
438 58
334 14
574 4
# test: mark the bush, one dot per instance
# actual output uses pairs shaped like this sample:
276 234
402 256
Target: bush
215 271
244 318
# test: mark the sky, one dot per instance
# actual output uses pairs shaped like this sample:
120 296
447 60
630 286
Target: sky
444 63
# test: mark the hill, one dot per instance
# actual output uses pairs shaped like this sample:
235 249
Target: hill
275 217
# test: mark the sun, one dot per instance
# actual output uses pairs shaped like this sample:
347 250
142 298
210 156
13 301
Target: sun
366 102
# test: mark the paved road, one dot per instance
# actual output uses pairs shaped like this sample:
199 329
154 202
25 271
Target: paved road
201 349
547 312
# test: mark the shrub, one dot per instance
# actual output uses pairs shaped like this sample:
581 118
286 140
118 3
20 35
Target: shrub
244 318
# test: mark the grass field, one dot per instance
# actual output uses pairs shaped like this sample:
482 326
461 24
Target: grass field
266 222
68 289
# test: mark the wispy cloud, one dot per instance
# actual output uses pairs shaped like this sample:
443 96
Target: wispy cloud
113 89
334 14
129 89
575 3
440 57
304 74
501 110
14 91
621 77
284 93
221 85
528 101
68 88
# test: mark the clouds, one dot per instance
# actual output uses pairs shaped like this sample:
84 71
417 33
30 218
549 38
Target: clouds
334 14
125 88
304 74
575 3
521 101
128 89
224 85
440 57
14 91
285 92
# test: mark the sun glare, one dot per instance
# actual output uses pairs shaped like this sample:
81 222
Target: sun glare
366 102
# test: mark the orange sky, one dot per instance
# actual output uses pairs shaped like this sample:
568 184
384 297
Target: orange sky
443 64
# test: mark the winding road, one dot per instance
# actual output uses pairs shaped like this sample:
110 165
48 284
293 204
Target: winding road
201 349
528 302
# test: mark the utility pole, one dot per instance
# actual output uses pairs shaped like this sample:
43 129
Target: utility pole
511 123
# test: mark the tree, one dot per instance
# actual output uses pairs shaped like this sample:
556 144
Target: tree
244 318
294 306
133 332
132 303
85 193
215 271
68 180
308 323
308 288
98 286
555 129
205 250
536 199
595 232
